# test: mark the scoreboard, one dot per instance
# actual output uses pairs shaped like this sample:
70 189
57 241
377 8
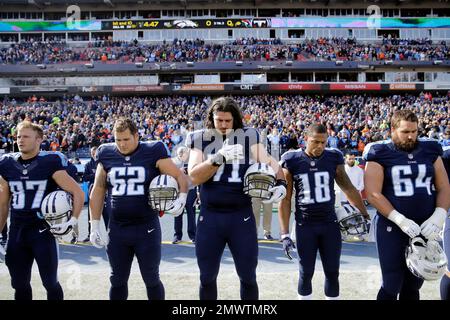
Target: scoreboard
186 24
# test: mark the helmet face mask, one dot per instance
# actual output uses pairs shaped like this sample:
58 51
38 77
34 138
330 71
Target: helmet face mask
352 223
426 260
258 179
163 191
56 208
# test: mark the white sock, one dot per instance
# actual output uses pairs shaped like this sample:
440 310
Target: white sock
308 297
333 298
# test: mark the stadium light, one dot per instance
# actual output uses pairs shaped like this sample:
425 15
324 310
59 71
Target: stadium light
339 62
189 63
139 64
288 63
41 66
436 62
239 63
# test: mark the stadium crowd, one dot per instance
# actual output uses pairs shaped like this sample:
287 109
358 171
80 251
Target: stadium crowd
73 124
321 49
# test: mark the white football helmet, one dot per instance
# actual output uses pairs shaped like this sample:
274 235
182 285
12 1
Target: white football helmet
56 208
162 192
258 179
352 223
426 260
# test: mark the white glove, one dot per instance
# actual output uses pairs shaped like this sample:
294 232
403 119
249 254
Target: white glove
231 152
178 205
63 226
278 194
433 225
2 254
95 236
408 226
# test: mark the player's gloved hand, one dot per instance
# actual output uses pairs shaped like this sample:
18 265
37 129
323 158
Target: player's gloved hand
178 205
95 237
408 226
64 226
433 225
2 254
228 152
278 192
288 245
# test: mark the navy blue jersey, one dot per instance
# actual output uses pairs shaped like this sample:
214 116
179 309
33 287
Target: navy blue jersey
408 176
30 183
129 177
224 192
446 159
313 183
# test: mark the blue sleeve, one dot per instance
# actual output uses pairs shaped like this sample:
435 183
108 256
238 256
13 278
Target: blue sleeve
57 161
284 162
339 157
254 137
436 150
3 166
162 150
369 153
99 155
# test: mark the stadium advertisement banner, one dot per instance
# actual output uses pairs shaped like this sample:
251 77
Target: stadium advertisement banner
355 86
26 26
202 87
186 24
4 90
142 88
402 86
437 86
370 22
295 87
248 87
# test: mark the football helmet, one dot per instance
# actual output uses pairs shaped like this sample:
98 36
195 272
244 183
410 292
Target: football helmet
56 208
426 260
351 222
162 192
258 179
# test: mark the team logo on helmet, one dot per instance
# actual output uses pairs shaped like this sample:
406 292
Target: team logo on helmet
56 208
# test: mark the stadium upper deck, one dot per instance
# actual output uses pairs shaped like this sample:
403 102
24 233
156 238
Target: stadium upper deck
79 24
86 20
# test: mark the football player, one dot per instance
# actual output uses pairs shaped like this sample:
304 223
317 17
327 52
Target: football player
445 281
312 173
219 158
26 178
125 168
406 182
